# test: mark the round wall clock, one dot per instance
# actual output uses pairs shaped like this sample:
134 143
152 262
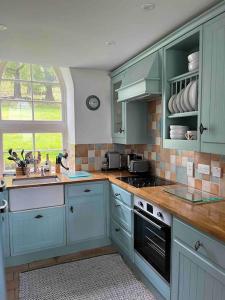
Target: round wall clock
92 102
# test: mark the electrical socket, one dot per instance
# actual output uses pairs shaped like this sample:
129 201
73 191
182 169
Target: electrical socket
190 169
216 172
204 169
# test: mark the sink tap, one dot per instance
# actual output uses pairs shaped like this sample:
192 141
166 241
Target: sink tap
42 171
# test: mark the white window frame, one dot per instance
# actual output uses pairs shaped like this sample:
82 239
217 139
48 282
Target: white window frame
17 126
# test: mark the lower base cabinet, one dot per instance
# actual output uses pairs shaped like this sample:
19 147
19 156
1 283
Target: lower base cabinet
37 229
198 271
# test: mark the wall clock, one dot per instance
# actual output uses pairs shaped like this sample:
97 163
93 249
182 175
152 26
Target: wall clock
92 102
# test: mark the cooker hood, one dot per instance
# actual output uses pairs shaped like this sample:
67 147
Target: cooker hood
142 81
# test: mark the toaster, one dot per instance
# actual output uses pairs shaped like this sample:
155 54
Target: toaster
139 166
112 161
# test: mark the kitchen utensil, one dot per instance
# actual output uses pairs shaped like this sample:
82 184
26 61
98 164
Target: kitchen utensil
178 101
191 135
175 108
170 103
193 56
185 97
193 95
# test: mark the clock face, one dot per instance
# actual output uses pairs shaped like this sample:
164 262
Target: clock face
92 102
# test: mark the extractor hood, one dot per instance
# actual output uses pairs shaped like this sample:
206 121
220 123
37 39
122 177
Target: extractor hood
142 81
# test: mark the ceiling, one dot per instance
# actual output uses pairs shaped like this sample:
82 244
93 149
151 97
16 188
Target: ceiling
75 32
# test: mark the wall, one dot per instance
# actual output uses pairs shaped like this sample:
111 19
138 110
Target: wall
92 127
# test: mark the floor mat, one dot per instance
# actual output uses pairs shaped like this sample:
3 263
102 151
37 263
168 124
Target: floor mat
99 278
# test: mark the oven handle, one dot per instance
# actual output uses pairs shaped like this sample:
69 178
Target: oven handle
147 220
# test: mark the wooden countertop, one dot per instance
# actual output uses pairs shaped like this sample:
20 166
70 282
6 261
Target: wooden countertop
209 218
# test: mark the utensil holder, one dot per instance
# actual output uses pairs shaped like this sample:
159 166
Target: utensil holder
21 171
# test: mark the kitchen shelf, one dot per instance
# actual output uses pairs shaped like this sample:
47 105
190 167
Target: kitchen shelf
184 76
189 145
183 115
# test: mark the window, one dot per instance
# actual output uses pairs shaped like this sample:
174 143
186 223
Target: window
32 113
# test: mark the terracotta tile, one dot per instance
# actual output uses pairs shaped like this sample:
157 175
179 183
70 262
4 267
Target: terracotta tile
198 184
78 167
202 158
98 153
215 188
206 177
206 186
91 146
81 150
152 107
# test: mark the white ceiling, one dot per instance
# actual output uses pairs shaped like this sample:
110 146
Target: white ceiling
74 32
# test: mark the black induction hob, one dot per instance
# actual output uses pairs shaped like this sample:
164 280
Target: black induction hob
145 181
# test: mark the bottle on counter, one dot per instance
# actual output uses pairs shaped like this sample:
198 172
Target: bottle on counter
47 165
57 165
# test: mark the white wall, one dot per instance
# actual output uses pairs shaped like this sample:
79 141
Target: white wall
91 126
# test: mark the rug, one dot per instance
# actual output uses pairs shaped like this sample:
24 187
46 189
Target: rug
104 277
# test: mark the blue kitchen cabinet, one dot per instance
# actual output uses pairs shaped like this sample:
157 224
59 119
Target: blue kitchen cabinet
129 120
122 220
87 212
198 265
213 86
5 227
37 229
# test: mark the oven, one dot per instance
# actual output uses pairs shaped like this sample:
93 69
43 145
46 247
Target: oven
152 237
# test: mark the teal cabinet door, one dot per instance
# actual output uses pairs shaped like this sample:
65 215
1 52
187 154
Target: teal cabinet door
37 229
5 233
213 86
86 218
194 277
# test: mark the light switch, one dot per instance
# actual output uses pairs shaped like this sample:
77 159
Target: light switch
204 169
190 169
216 172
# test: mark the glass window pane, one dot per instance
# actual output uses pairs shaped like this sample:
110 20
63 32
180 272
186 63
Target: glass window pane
15 90
43 73
52 156
15 70
16 110
47 111
8 164
46 92
17 141
45 141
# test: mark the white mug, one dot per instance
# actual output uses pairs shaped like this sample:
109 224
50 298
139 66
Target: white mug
191 135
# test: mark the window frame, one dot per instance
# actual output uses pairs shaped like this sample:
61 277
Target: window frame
33 126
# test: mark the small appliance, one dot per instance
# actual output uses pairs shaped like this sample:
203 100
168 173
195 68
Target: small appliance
112 161
139 166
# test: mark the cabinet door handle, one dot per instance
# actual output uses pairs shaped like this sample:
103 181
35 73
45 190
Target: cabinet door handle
71 209
198 244
117 194
117 229
38 217
202 128
87 191
117 205
121 130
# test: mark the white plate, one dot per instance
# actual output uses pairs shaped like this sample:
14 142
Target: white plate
178 101
174 131
185 97
174 127
175 108
170 103
193 56
193 66
193 95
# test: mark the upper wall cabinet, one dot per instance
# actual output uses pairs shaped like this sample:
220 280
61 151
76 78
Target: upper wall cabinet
213 87
142 80
129 120
182 90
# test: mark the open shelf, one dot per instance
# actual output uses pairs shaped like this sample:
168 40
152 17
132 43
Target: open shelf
184 76
189 145
184 114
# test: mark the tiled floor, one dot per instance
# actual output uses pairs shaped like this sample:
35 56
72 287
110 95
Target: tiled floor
12 273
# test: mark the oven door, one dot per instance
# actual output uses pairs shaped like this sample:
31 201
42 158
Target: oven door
152 240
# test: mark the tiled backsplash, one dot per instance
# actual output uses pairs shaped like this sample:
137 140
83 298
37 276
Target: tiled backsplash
167 163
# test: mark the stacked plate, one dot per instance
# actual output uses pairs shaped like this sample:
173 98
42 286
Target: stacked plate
186 100
193 59
177 132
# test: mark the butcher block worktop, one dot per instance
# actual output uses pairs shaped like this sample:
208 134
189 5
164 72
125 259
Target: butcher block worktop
210 217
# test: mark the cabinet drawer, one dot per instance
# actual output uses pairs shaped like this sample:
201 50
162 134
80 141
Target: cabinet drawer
210 248
84 189
121 213
122 238
121 195
37 229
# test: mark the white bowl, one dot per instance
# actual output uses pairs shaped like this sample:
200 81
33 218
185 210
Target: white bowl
174 127
193 56
193 66
174 131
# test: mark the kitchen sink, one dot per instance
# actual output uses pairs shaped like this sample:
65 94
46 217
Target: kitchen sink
35 180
